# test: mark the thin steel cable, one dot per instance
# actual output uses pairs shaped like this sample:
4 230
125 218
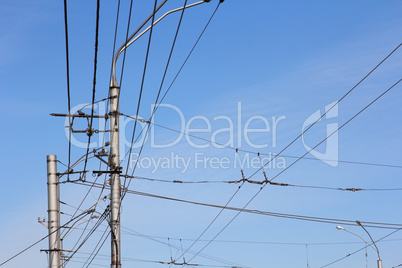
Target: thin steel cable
336 103
182 66
143 79
350 254
382 94
93 94
267 242
103 217
383 225
125 52
159 91
350 189
40 240
100 247
344 124
189 54
178 248
68 83
256 153
214 219
177 74
160 88
90 132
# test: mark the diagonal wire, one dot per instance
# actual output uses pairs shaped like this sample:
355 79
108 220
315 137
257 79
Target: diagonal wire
336 103
343 97
159 91
181 68
382 94
143 79
350 254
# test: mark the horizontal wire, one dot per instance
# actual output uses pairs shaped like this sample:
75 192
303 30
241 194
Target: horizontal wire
265 242
265 213
351 189
258 153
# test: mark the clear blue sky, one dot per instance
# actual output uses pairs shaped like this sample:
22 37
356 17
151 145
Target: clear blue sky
258 60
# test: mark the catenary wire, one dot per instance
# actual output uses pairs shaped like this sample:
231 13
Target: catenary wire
304 131
177 74
214 219
344 124
68 82
254 242
125 52
241 210
90 130
351 189
43 238
157 97
98 246
265 213
256 153
327 111
350 254
103 217
267 242
93 96
128 259
220 260
143 79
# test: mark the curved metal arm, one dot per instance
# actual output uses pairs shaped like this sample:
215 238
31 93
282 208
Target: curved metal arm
378 252
361 225
133 38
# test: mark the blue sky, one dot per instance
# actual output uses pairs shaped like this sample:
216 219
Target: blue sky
274 59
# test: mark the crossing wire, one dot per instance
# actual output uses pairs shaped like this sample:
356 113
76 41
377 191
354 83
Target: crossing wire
94 254
93 97
382 94
350 254
350 189
265 213
215 218
159 91
256 153
175 78
304 131
178 248
43 238
336 103
90 130
143 79
103 217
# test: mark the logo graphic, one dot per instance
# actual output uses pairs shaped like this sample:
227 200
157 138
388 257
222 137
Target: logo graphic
331 153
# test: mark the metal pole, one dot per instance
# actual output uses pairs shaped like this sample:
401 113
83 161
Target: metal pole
53 195
114 156
114 162
379 263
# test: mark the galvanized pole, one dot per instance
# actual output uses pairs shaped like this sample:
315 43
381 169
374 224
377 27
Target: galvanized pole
114 162
53 195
